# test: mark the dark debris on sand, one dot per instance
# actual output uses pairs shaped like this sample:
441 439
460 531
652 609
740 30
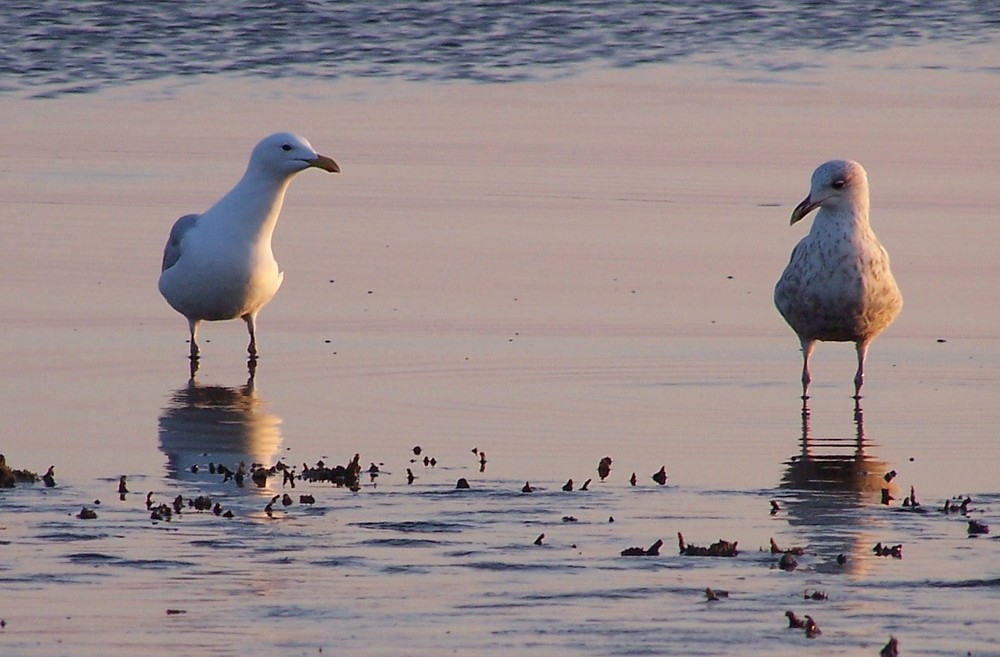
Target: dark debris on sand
9 476
977 528
338 475
720 548
714 595
652 551
604 468
796 551
794 622
895 551
808 624
958 504
787 562
891 649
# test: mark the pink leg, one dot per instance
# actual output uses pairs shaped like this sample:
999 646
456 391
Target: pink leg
252 329
193 326
807 349
859 376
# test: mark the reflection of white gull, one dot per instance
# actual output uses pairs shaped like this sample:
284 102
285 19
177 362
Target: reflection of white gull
219 424
219 265
837 286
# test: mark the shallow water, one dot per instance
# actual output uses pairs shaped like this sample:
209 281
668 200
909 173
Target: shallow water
422 568
67 46
547 272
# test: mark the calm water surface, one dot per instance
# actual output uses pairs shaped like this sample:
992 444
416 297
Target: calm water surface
423 567
96 382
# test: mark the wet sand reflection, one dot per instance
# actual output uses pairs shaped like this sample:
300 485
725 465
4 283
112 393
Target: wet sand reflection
834 478
204 424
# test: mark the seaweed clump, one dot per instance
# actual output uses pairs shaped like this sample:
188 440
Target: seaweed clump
9 476
720 548
652 551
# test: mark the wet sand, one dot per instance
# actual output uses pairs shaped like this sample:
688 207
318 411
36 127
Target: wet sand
549 272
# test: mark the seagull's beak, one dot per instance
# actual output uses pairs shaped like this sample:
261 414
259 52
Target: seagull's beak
325 163
802 209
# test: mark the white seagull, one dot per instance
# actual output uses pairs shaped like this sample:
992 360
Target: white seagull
219 265
838 286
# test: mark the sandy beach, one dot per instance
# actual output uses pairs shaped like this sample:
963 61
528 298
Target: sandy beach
629 219
549 272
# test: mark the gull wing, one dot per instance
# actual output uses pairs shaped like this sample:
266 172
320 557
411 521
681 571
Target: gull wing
172 251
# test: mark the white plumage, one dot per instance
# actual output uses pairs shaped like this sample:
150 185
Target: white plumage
219 265
838 286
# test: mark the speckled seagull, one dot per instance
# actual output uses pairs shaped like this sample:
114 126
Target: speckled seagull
838 286
218 265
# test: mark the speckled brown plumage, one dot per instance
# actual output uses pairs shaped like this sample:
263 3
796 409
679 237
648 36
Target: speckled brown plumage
837 286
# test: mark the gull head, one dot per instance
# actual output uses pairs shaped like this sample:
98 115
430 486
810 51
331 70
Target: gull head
836 184
285 154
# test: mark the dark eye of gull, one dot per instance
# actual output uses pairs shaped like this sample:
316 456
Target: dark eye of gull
839 183
286 147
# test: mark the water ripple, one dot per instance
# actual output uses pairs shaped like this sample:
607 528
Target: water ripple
99 559
419 526
64 46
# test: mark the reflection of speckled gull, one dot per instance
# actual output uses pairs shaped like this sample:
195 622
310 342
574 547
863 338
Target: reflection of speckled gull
841 464
203 424
219 265
828 482
838 285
